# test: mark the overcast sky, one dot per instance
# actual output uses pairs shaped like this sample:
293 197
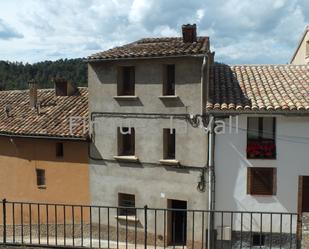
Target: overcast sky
240 31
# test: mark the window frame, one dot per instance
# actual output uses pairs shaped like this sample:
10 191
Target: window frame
126 209
121 140
40 178
59 150
167 137
122 86
262 141
250 181
169 85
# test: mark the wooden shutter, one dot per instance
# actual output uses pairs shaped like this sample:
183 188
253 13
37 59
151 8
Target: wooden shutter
126 200
261 181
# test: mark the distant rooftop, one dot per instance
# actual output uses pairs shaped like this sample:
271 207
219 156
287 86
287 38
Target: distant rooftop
257 88
52 119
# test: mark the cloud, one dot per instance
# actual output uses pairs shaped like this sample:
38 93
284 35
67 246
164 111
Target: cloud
7 33
241 31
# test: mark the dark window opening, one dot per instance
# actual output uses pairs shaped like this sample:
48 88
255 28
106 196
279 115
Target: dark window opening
40 177
169 143
169 80
126 141
261 181
177 223
258 240
126 203
261 142
61 87
126 81
59 149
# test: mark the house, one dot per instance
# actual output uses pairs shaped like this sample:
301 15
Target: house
262 161
43 158
301 54
145 148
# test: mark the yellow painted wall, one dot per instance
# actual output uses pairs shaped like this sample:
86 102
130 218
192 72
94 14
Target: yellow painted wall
67 178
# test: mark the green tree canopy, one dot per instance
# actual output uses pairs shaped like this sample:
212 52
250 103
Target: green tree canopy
15 75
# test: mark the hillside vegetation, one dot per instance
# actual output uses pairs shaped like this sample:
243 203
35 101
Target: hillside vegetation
15 75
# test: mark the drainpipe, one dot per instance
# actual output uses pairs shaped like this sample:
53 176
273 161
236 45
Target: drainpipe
203 85
211 183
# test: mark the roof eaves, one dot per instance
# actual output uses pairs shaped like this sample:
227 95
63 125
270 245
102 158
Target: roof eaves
144 58
259 112
38 136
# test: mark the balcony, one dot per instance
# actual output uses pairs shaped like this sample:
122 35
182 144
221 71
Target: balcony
261 149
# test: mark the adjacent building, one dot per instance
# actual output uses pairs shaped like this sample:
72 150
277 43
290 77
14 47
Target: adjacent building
301 54
44 158
262 159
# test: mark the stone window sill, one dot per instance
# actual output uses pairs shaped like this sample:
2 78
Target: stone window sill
131 218
126 158
41 186
168 97
126 97
171 162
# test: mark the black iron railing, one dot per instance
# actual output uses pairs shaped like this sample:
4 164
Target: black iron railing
59 225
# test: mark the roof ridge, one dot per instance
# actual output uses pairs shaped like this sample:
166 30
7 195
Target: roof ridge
154 47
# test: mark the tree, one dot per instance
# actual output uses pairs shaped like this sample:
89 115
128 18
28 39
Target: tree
15 75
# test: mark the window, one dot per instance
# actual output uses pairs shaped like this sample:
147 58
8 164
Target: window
261 138
127 204
40 177
59 149
126 141
261 181
169 143
258 240
61 87
169 80
307 49
126 81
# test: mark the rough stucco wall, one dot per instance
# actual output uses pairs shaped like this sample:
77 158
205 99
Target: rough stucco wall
102 78
292 161
151 183
300 57
65 177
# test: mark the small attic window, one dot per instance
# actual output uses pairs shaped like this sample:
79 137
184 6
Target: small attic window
307 48
61 87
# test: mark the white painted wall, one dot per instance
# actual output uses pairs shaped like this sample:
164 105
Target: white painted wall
292 141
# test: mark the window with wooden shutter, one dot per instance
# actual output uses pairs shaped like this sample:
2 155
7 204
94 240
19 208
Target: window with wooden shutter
261 181
59 149
126 203
169 143
40 178
126 141
126 81
169 80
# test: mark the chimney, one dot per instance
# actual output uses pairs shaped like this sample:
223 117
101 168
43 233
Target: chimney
33 93
64 87
189 33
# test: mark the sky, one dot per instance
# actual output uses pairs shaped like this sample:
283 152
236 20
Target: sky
240 31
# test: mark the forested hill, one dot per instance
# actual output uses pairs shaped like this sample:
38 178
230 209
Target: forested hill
15 75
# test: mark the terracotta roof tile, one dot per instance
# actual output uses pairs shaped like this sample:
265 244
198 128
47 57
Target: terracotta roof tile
259 88
53 119
155 47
